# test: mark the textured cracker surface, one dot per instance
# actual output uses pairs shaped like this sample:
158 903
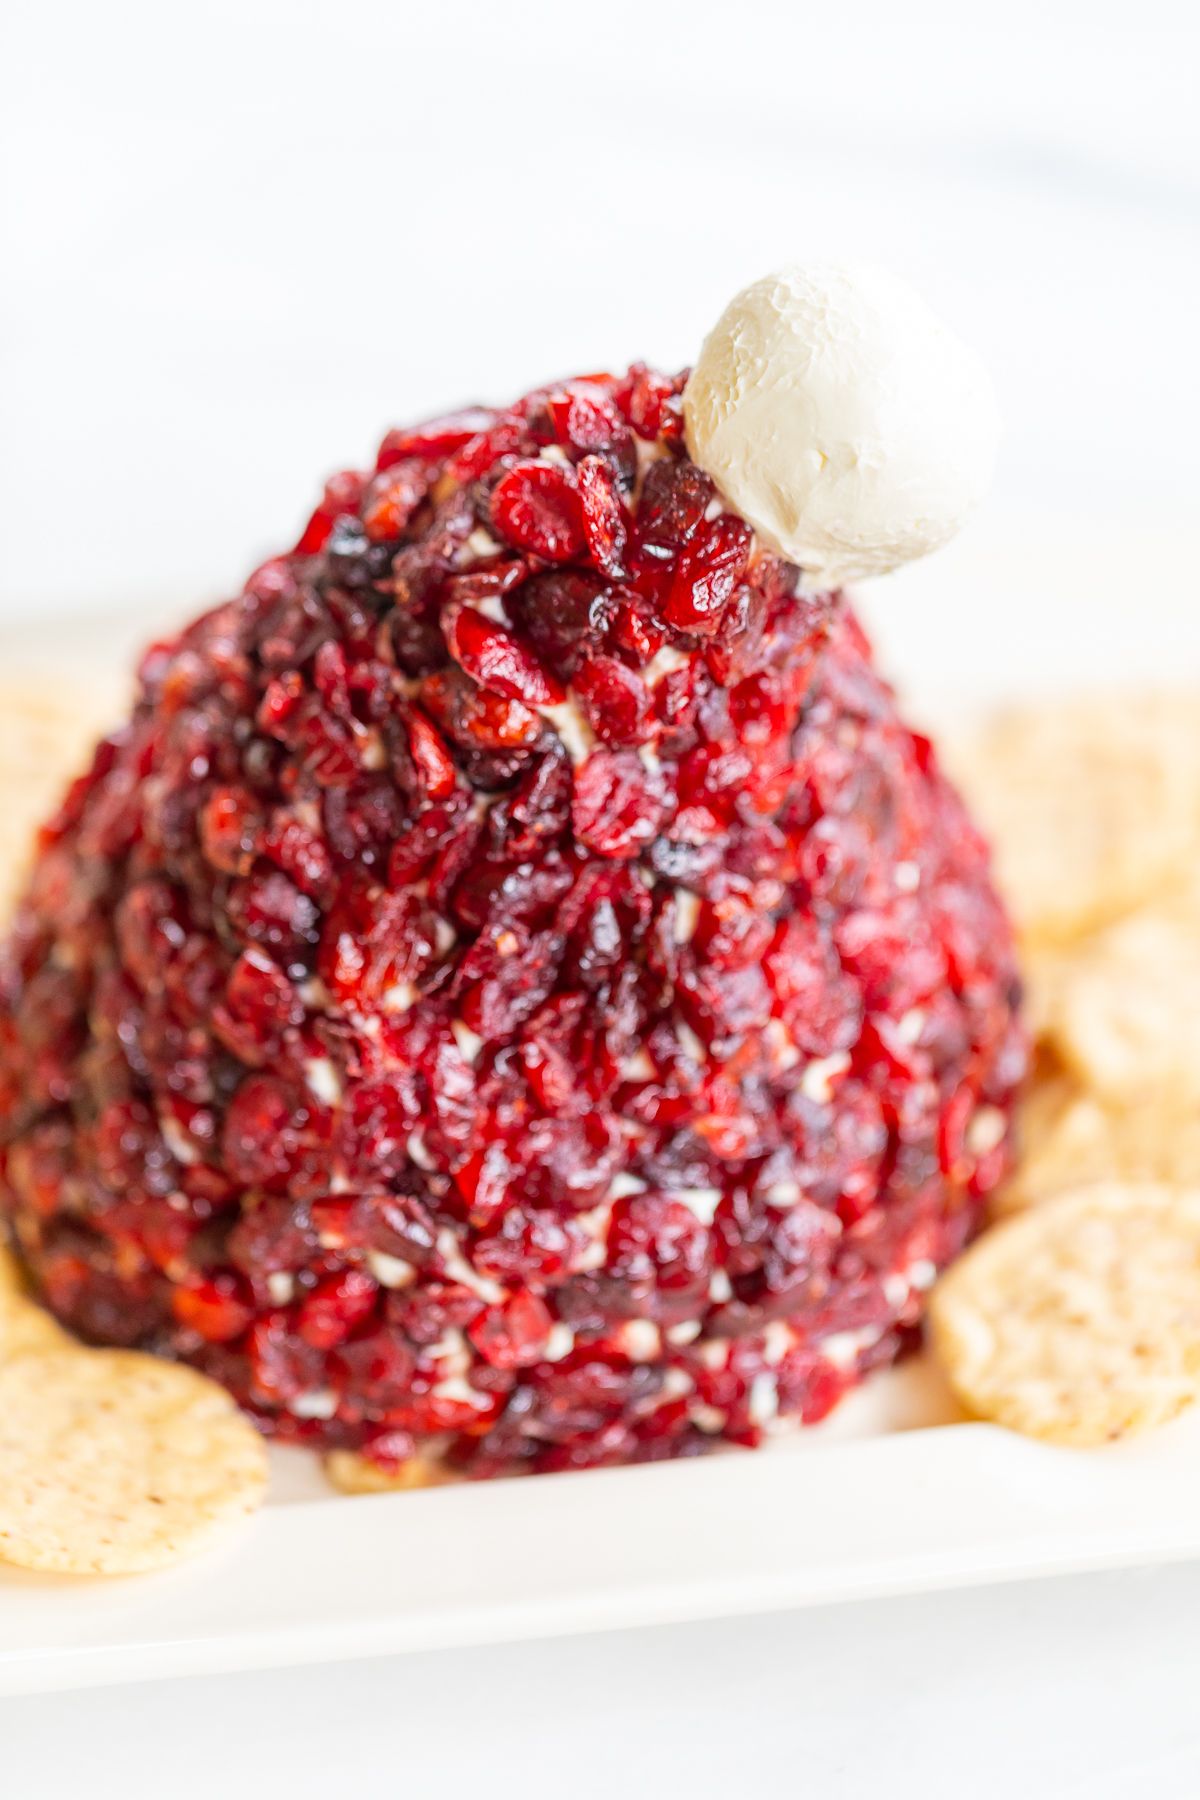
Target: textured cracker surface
1078 1321
1093 806
1063 1138
351 1473
1070 1136
1128 1014
112 1462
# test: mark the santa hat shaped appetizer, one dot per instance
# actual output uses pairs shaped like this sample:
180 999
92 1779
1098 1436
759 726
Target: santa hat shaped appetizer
516 994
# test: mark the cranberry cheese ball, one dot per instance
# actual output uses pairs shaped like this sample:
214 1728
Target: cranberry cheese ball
515 990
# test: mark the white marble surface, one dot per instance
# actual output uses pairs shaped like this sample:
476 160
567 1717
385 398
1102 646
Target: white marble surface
1080 1689
243 238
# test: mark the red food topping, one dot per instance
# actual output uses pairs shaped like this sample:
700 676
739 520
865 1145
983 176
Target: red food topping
498 660
537 507
515 989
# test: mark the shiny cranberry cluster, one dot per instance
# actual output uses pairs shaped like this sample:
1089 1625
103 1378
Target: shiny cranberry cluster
515 989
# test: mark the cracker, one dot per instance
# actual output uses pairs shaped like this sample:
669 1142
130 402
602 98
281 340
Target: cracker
351 1473
1064 1138
1128 1017
112 1462
24 1325
1078 1321
1093 807
1068 1137
1157 1138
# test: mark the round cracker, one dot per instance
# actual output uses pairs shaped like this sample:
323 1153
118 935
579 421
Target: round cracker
112 1462
351 1473
24 1325
1068 1137
1157 1138
1128 1019
1064 1139
1092 806
1078 1321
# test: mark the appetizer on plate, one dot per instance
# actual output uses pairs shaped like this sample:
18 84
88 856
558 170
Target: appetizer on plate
515 994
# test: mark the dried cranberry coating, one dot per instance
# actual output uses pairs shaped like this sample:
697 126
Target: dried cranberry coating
515 988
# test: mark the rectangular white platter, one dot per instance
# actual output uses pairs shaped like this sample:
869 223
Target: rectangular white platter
876 1502
894 1494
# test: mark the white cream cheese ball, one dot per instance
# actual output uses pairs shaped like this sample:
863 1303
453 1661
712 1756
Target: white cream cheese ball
842 419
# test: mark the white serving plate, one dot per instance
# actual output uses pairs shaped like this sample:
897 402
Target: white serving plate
894 1494
875 1502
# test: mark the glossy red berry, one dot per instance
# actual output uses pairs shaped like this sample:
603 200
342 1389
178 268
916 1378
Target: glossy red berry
620 803
536 506
499 661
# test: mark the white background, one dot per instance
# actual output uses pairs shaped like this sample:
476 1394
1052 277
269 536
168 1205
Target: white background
242 238
238 241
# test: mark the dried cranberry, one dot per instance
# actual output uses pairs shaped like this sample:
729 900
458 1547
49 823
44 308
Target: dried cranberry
428 1313
584 417
483 451
271 1237
399 1225
615 699
820 1005
732 932
341 496
477 720
375 941
218 1308
436 438
259 995
651 401
536 506
283 1366
534 1245
536 812
675 499
393 497
619 803
337 1307
657 1242
268 909
374 1370
708 571
230 827
513 1335
433 761
604 525
301 854
561 612
499 661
